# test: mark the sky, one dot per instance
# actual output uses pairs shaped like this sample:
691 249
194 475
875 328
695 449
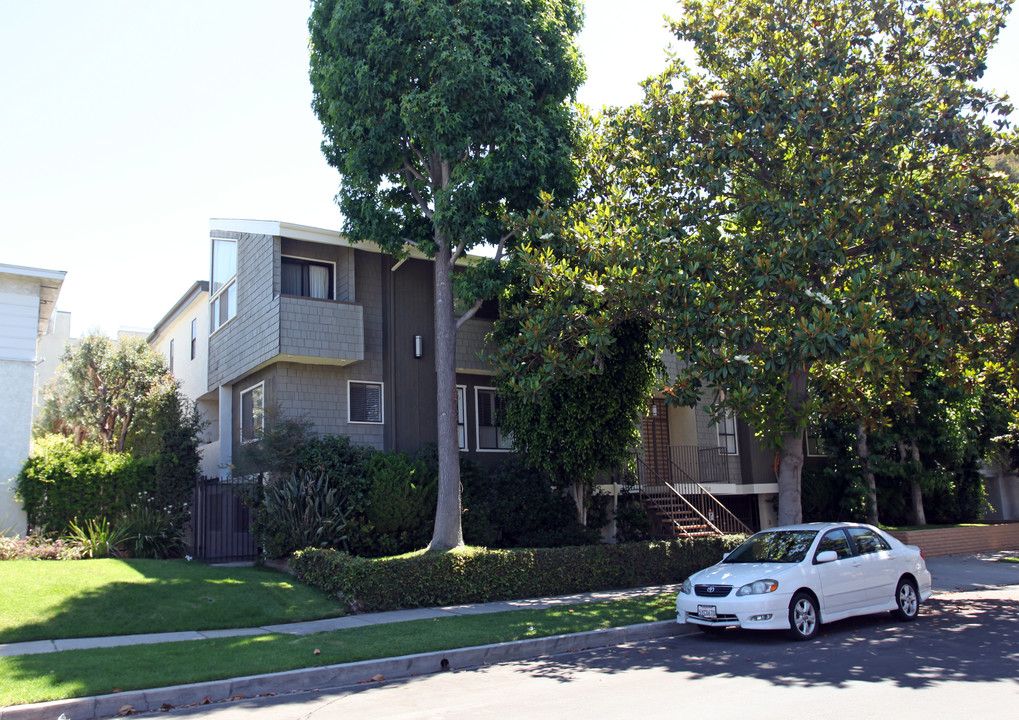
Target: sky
125 126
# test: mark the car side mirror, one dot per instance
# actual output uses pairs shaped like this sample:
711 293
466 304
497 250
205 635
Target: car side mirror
826 556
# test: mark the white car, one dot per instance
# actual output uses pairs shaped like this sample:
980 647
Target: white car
797 577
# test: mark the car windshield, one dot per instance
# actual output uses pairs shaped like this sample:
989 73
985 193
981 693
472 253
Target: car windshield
783 546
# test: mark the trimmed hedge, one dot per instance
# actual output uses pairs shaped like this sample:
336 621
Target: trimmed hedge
472 575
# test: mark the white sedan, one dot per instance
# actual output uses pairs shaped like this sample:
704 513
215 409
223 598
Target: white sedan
797 577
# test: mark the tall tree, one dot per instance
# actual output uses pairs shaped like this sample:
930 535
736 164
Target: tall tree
443 118
815 196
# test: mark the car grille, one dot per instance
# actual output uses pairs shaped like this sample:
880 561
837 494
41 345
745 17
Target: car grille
716 619
712 590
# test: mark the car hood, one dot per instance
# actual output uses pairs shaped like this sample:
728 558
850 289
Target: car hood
738 574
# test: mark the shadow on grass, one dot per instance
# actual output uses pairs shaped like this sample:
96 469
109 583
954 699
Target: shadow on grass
954 639
168 596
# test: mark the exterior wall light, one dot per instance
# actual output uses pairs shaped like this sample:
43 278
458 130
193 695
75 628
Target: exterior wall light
419 346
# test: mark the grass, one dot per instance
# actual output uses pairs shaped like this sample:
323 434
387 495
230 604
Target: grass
78 673
1009 560
48 600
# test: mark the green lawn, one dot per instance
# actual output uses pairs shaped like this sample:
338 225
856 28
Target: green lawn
48 600
78 673
1009 560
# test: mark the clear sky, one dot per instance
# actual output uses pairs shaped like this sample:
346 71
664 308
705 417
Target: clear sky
125 126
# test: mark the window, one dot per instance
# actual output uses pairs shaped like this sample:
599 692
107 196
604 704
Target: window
365 402
461 416
490 410
171 356
836 540
868 541
224 281
815 443
727 434
194 337
252 412
306 278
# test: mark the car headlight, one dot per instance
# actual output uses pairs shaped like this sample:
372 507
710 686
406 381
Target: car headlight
759 587
687 587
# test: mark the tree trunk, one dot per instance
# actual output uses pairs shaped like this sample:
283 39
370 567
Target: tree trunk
578 493
790 467
868 474
448 531
915 491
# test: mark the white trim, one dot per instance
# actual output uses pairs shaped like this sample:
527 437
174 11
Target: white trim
240 415
461 393
382 402
477 424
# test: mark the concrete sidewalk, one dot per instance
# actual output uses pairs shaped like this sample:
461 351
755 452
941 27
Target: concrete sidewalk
975 575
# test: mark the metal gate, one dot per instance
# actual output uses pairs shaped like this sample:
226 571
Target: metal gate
220 530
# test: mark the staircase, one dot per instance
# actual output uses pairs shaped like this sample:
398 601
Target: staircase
684 509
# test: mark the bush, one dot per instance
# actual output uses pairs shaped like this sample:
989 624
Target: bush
471 575
401 504
516 506
154 532
62 481
301 510
38 548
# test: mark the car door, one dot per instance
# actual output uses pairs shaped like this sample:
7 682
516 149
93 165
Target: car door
842 584
880 571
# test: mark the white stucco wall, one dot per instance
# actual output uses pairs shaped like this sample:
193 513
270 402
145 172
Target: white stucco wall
22 294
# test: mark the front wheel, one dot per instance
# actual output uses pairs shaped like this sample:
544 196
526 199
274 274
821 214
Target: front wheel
804 618
907 600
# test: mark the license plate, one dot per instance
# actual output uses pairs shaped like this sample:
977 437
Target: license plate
706 612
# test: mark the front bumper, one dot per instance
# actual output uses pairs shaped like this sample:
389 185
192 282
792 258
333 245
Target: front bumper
759 612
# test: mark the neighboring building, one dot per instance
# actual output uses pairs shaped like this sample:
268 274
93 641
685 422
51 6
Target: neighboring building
51 346
27 299
301 321
182 336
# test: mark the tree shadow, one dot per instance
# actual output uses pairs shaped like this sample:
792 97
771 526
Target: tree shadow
169 596
954 639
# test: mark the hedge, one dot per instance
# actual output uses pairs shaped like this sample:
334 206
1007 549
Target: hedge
473 575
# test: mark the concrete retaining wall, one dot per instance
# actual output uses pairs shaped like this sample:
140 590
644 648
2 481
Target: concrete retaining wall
943 542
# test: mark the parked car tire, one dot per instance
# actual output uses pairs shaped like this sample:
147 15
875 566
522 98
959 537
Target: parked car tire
907 600
804 617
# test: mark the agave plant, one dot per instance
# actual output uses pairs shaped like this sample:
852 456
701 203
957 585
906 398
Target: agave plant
312 512
98 539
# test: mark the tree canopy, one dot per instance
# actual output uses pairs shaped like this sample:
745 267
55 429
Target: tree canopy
813 200
444 117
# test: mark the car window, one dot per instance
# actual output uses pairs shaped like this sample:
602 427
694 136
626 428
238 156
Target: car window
868 541
787 546
836 540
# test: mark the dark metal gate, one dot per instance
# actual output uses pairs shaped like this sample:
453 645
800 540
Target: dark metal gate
220 530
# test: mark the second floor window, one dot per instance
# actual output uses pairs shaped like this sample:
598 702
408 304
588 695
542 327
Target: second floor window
727 434
306 278
365 402
194 338
224 281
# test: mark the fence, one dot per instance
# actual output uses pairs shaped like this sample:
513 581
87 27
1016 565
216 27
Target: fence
220 528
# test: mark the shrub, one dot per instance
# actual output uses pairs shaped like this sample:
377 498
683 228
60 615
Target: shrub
97 538
153 532
470 575
300 510
516 506
62 481
401 503
33 547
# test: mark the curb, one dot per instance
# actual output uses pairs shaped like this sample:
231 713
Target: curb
336 676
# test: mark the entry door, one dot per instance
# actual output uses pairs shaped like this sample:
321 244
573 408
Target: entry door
656 438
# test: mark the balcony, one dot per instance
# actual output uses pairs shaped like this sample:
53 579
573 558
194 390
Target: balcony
321 331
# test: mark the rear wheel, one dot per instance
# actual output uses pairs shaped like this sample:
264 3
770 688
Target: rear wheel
804 618
907 600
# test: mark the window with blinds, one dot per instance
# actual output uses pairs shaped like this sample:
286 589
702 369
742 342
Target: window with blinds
365 402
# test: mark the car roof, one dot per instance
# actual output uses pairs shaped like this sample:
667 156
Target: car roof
818 526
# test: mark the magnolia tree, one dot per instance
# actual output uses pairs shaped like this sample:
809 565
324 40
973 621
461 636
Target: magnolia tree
444 118
814 201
